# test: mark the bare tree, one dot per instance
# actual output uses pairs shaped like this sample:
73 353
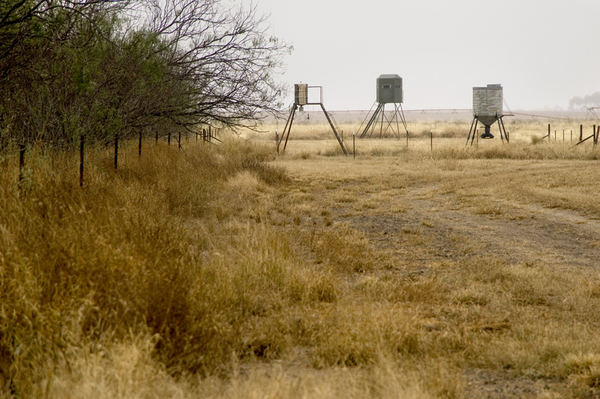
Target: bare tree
225 59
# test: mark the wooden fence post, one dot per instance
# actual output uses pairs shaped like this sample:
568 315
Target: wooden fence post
580 132
431 138
81 142
140 145
116 149
179 140
549 137
21 162
353 143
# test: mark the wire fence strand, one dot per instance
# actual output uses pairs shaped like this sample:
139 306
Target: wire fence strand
97 160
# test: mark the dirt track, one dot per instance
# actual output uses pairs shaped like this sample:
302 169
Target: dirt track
423 224
522 234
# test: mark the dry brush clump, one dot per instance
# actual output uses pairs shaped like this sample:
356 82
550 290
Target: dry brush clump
130 251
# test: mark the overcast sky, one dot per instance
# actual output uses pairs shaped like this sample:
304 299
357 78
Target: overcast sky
543 52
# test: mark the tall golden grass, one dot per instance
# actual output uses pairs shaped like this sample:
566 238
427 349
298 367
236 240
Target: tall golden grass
214 272
131 252
439 138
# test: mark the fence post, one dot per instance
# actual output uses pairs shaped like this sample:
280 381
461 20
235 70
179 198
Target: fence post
21 162
179 140
580 132
549 137
140 145
353 143
169 138
156 142
431 138
116 149
81 142
596 135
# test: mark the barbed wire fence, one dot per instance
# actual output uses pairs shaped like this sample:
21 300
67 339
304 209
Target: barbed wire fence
557 135
207 135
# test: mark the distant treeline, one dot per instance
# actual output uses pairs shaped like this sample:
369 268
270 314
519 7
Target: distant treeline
99 67
582 103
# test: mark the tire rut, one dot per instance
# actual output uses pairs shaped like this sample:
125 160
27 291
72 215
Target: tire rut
435 229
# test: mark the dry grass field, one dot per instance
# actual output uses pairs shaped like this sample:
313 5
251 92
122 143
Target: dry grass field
231 271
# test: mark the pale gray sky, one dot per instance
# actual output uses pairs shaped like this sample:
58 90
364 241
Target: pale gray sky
543 52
